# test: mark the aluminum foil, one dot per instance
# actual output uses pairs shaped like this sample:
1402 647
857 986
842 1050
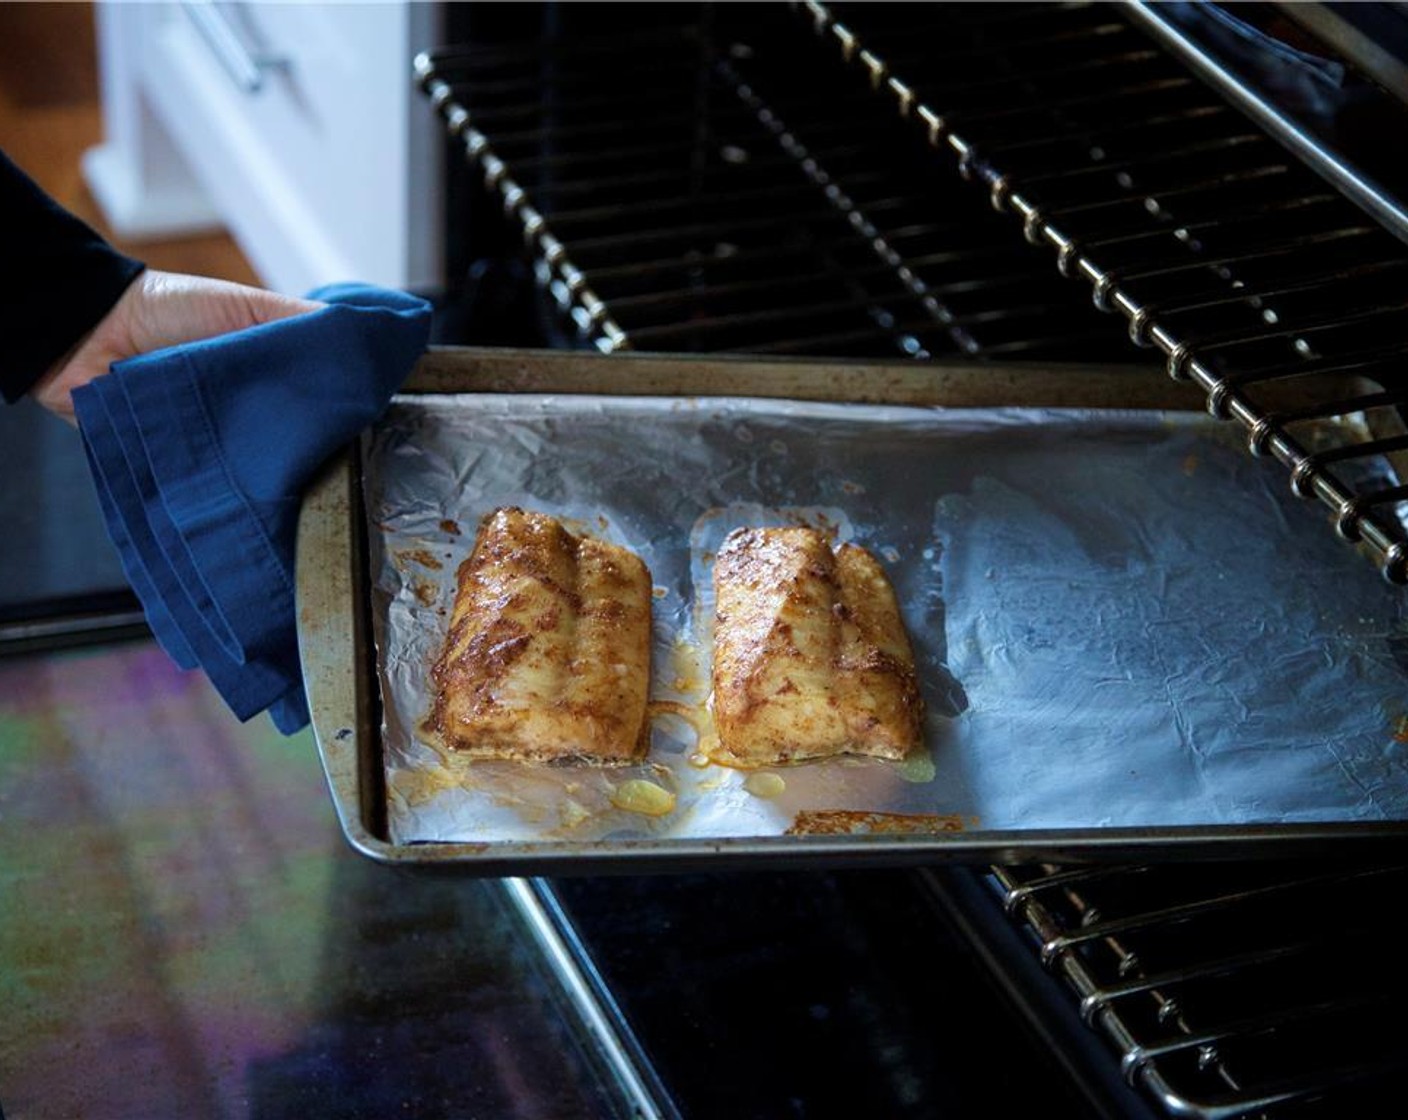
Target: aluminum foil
1121 619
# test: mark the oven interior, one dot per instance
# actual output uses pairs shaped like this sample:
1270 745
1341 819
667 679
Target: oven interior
1171 191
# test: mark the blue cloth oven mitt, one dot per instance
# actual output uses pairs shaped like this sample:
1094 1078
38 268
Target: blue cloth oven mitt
200 454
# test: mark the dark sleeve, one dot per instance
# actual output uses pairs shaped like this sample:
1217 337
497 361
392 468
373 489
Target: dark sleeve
57 280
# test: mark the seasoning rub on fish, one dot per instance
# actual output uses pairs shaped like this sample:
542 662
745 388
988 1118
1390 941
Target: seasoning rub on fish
810 656
548 653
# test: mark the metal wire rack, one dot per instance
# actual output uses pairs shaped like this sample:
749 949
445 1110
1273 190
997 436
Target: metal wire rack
674 203
1232 990
1218 247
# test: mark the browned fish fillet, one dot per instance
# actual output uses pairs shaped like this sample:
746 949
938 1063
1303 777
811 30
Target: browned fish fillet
548 654
810 656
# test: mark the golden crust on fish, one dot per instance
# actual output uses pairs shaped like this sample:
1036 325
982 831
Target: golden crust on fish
548 652
810 656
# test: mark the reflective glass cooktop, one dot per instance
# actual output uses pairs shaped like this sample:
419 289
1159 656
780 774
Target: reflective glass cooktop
184 933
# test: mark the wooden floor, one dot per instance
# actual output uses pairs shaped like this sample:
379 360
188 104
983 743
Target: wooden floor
50 113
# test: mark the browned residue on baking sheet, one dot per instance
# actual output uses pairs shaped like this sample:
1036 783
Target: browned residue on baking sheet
451 527
849 822
421 556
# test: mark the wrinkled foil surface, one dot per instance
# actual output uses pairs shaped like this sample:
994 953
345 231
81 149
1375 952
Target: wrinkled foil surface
1120 618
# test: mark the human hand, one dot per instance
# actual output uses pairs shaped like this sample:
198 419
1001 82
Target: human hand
160 309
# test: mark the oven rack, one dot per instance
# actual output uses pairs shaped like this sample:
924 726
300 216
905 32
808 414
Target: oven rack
1218 248
560 275
718 219
1227 990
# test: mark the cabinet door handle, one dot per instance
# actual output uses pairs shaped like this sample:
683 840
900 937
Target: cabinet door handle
247 68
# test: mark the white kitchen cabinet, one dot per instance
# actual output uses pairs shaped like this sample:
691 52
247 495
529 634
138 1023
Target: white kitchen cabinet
296 126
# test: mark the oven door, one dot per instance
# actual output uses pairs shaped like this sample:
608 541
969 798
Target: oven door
60 579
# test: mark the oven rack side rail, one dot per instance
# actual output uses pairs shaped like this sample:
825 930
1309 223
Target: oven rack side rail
564 280
1361 480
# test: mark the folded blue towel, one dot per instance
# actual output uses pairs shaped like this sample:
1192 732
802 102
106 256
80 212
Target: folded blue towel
200 454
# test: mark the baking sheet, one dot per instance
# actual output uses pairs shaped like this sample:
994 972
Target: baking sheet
1121 620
